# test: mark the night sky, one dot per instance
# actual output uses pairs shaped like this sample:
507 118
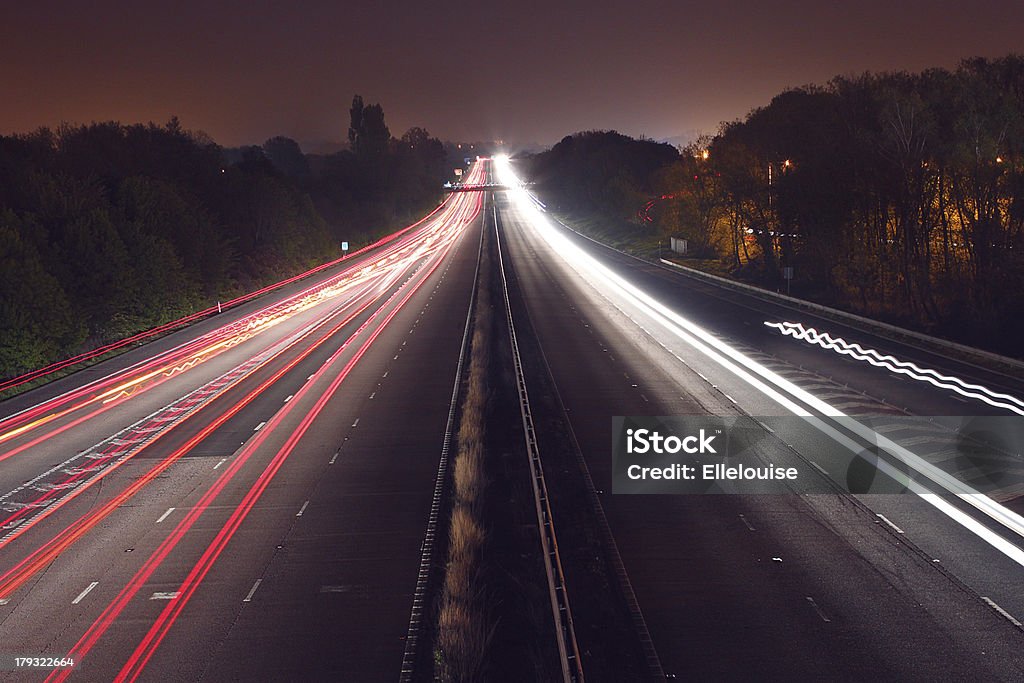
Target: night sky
520 71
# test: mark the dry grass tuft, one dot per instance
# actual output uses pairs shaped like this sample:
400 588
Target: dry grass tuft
465 625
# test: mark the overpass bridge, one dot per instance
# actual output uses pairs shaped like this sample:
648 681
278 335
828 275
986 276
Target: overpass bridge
479 187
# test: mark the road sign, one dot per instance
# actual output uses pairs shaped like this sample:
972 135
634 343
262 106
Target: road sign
344 246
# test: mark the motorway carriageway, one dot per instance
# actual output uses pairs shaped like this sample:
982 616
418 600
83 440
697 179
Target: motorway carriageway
123 485
778 587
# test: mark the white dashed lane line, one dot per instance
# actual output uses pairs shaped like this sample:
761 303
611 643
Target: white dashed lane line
1009 617
821 612
81 596
252 591
886 520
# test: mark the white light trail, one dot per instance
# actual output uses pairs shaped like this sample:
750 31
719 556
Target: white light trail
784 392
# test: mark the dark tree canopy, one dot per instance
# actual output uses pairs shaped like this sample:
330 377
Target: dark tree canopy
896 195
108 229
601 169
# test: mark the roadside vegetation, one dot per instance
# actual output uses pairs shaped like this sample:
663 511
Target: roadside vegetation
465 624
493 611
898 196
109 229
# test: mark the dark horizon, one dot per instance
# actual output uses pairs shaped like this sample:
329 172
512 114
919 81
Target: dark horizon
526 75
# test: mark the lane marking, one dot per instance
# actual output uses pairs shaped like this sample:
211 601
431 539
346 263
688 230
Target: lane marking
334 457
290 397
816 466
252 591
886 520
222 461
385 374
165 515
164 595
1009 617
749 525
302 509
81 596
821 612
373 394
356 423
259 426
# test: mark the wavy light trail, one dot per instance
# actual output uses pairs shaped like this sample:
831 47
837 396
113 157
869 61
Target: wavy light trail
933 377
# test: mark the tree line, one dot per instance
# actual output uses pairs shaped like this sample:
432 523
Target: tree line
109 229
896 195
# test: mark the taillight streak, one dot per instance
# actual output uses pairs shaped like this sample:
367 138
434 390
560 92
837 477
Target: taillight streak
140 657
113 346
110 614
22 421
224 337
166 430
24 570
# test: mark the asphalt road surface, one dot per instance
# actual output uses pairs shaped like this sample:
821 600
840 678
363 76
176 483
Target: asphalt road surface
778 587
244 499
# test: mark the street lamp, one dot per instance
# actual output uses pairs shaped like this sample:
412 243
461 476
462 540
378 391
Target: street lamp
785 165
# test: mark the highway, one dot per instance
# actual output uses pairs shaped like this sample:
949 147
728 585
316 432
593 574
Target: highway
252 490
246 498
811 587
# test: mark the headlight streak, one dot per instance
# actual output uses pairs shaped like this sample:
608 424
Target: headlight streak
855 350
604 279
133 668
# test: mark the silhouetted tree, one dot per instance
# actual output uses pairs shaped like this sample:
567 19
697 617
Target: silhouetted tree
287 157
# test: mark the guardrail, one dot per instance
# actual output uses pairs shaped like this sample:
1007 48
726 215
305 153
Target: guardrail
565 633
835 312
